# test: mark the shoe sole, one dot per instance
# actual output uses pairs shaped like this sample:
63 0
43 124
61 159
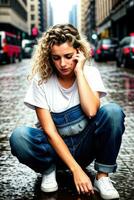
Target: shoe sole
105 197
54 189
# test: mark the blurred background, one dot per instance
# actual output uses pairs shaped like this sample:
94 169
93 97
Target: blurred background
108 25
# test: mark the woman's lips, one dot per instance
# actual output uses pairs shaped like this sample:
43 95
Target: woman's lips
64 70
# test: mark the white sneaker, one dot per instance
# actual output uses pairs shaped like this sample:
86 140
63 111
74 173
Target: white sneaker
49 183
106 189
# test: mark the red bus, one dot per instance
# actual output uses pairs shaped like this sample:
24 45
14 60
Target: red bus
10 47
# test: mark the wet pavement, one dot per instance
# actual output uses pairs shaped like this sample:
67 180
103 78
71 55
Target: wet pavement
18 182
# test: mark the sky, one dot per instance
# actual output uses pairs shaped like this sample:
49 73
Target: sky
61 9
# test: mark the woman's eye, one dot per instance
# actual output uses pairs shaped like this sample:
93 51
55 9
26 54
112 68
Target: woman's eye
68 56
55 57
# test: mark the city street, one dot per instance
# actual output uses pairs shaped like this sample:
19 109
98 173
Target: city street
18 182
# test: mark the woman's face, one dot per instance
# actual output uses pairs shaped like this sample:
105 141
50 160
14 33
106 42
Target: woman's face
62 57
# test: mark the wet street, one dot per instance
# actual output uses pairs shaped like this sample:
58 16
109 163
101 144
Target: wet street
18 182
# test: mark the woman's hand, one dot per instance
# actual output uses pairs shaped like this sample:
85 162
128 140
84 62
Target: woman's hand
80 61
82 182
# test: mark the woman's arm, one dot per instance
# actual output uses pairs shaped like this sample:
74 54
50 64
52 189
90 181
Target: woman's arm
82 181
89 99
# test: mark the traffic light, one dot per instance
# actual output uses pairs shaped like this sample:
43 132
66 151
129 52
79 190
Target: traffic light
35 31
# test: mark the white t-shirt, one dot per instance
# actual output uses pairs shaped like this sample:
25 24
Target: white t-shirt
52 96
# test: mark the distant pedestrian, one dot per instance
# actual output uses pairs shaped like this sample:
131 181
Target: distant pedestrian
73 130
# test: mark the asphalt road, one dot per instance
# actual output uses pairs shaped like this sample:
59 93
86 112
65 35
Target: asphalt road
18 182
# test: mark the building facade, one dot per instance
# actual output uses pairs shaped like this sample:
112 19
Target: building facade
91 21
50 19
13 16
103 22
88 19
107 18
37 16
122 16
84 5
114 18
21 16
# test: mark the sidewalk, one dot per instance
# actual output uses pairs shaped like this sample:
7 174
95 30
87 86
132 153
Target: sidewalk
17 181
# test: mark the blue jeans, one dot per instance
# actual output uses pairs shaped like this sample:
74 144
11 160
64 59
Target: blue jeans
100 140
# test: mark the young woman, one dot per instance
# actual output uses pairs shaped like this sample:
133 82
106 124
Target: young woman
73 130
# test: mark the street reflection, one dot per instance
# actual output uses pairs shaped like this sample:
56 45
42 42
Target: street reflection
129 86
67 196
17 182
66 190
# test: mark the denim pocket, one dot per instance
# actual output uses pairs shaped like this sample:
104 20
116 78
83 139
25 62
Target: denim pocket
70 122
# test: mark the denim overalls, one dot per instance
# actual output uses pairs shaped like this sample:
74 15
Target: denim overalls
98 139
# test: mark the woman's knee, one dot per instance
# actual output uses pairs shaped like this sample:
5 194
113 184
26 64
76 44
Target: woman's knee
111 119
18 138
113 112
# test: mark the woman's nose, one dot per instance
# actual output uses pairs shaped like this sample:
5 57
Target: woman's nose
62 61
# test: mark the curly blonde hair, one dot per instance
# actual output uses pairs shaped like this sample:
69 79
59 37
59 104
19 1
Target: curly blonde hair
57 34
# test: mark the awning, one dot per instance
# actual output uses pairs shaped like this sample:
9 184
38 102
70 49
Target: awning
103 27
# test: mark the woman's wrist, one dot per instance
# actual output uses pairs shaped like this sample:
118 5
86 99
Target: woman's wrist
79 72
74 168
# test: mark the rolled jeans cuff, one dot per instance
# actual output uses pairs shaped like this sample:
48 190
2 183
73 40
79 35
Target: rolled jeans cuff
105 168
50 169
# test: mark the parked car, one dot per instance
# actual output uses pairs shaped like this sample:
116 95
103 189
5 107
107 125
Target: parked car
27 48
125 52
10 47
105 49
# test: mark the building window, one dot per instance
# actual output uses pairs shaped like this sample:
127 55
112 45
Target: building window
32 17
18 8
32 7
4 2
32 26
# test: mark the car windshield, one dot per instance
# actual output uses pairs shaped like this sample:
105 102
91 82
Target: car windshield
109 41
106 41
132 41
129 40
29 45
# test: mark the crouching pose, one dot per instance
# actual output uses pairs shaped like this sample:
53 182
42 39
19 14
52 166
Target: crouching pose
73 130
